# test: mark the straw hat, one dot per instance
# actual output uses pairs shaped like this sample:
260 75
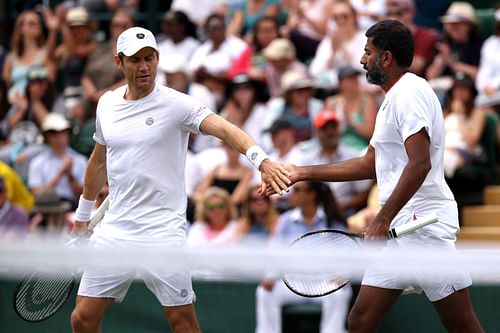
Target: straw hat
279 49
50 203
295 79
77 16
459 12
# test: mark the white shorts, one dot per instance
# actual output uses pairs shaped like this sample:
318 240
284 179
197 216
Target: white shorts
170 288
437 288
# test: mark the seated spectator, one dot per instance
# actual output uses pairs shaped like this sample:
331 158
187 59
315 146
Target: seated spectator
297 105
306 25
460 50
213 59
464 125
326 148
176 76
34 105
52 216
78 43
180 41
100 73
23 121
281 57
14 220
424 39
252 61
488 76
17 193
340 47
369 12
199 10
285 150
28 48
356 108
315 208
60 167
245 105
232 176
258 220
246 14
216 219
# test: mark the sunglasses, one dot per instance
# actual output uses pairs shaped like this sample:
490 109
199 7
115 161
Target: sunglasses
216 206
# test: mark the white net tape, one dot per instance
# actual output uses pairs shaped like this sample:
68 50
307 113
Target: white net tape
247 263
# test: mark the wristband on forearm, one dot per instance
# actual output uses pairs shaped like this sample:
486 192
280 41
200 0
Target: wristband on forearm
84 209
256 156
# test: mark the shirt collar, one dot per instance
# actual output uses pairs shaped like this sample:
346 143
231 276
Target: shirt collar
297 217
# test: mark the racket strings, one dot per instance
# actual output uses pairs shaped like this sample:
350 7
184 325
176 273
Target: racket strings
318 284
42 294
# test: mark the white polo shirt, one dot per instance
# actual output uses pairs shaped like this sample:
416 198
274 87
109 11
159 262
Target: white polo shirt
409 106
146 144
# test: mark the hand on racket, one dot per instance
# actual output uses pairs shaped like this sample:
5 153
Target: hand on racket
321 284
40 294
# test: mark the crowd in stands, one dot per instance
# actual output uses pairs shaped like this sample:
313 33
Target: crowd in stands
287 72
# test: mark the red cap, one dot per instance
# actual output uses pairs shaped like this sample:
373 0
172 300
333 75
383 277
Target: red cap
324 117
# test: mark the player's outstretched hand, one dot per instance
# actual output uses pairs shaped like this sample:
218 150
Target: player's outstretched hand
80 229
377 230
274 176
291 171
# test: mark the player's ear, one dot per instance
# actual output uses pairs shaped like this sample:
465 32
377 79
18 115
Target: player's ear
386 59
118 60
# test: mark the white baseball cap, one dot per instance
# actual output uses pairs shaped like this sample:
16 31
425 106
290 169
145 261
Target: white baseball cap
55 122
134 39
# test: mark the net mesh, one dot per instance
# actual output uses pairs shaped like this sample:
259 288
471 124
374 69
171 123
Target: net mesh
226 278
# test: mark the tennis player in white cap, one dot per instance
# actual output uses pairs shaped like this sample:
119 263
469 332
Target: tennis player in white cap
141 136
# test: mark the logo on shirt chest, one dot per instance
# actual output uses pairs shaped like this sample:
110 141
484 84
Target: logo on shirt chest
150 121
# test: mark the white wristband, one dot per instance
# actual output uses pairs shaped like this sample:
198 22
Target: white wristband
84 209
256 156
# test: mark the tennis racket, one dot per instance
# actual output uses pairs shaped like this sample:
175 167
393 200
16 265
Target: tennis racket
318 284
42 293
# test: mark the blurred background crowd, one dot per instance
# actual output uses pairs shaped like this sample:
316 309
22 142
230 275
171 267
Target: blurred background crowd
286 71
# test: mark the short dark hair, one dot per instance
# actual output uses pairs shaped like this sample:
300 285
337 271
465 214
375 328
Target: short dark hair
395 37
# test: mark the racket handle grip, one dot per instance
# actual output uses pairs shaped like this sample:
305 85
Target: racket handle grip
99 214
410 227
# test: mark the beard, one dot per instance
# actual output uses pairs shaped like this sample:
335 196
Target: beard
375 74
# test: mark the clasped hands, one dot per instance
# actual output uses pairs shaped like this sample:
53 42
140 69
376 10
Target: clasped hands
276 177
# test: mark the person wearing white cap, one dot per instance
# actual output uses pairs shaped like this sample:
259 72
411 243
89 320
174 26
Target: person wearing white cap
405 157
60 167
142 132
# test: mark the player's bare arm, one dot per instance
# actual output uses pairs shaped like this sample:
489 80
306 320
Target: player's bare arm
419 164
273 174
354 169
95 177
